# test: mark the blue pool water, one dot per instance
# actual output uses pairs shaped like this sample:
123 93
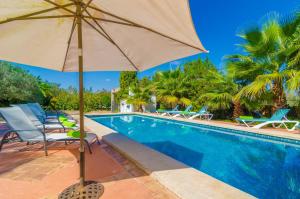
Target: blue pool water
265 168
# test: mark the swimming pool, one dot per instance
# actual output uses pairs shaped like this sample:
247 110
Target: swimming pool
260 165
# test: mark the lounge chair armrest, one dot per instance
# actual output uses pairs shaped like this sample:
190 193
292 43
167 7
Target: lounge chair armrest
20 130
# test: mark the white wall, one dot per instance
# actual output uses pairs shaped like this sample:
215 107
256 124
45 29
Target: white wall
126 108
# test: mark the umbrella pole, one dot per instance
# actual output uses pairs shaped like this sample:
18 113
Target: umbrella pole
83 189
81 103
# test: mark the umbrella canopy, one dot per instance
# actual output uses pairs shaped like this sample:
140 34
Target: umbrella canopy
95 35
117 35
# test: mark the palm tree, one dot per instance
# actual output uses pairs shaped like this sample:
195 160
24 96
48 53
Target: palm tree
293 44
140 95
170 89
293 53
220 93
263 69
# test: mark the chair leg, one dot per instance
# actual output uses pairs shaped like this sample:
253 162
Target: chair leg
285 126
282 124
193 117
1 144
295 126
89 147
4 139
45 148
245 123
98 142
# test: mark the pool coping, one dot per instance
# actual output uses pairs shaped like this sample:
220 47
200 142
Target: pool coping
184 181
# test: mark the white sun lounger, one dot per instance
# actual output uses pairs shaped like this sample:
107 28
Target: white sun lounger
165 112
202 113
280 122
279 117
179 113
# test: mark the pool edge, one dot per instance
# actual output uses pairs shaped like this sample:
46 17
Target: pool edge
184 181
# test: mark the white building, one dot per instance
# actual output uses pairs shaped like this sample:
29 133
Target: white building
123 107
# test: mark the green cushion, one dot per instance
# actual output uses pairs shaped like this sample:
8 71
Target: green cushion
185 112
62 118
246 117
74 134
68 124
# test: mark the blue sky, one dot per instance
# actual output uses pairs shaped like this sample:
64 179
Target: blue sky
217 23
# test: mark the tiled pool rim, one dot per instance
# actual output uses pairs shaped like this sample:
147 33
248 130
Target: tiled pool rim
231 130
186 182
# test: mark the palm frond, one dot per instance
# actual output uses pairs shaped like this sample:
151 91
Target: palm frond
294 80
170 99
217 100
185 101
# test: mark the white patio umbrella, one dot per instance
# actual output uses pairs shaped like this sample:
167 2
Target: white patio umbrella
96 35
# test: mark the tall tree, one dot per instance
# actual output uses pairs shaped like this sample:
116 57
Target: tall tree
17 85
170 87
293 53
263 69
127 78
140 94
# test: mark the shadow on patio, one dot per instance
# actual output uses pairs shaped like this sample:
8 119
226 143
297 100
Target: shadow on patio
32 175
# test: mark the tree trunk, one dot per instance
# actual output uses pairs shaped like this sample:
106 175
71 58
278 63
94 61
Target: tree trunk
237 109
279 97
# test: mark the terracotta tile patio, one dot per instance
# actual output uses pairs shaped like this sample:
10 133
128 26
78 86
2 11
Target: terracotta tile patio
26 173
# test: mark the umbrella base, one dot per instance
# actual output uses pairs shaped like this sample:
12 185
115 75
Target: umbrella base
91 190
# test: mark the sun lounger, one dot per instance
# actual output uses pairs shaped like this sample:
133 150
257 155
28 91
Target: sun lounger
164 112
39 121
39 111
202 113
26 131
280 122
279 117
178 113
